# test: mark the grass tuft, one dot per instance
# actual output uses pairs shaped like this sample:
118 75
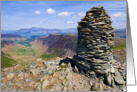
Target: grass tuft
123 46
6 62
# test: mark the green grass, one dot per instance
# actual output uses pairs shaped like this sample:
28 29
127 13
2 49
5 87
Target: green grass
6 62
24 63
57 51
34 53
25 43
48 56
123 46
25 52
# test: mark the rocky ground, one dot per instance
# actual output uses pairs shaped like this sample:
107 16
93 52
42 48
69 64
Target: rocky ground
50 76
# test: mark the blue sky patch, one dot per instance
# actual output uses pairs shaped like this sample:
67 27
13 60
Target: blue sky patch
56 14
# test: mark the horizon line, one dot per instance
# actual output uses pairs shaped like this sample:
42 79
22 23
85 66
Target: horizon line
45 28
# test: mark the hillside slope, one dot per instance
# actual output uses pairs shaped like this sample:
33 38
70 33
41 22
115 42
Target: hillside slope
6 61
61 45
66 45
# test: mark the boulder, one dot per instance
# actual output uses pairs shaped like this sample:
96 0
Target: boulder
119 80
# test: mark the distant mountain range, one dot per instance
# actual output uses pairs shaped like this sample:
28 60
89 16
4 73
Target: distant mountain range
120 33
11 37
41 31
46 32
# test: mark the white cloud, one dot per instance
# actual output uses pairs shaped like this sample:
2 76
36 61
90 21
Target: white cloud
119 14
69 22
65 13
81 14
37 12
50 11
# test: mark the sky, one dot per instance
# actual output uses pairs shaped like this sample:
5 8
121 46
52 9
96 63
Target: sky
56 14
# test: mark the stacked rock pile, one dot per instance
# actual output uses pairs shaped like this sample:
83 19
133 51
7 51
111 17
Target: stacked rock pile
95 40
95 46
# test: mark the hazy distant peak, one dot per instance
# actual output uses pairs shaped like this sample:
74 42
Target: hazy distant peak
10 35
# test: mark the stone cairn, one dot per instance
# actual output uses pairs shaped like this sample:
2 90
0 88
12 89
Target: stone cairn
95 43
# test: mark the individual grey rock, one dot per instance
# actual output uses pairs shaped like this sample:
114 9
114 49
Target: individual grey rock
34 72
19 84
58 88
21 75
65 89
112 70
119 80
27 80
124 88
38 86
97 87
69 76
91 83
56 74
10 76
108 78
45 84
113 83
